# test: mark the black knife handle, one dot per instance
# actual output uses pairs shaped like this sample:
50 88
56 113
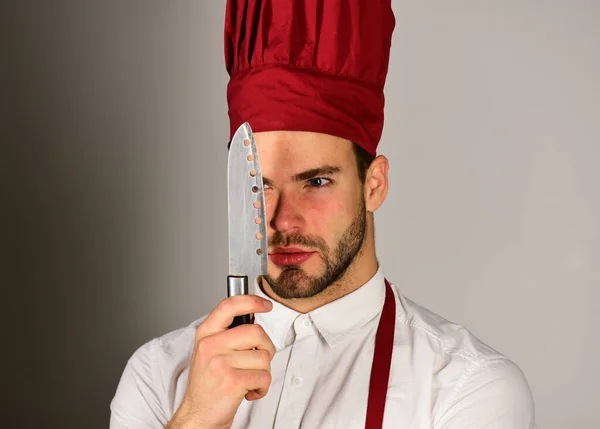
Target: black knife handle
240 320
238 285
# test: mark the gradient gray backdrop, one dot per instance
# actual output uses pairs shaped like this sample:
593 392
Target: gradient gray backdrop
113 172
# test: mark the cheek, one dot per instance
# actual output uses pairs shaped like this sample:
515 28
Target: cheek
324 214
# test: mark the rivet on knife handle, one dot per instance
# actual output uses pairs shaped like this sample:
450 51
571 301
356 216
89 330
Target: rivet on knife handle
238 285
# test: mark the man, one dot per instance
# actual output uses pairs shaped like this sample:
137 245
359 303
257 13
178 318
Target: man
333 344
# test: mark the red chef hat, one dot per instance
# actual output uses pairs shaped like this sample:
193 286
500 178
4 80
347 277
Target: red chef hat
309 65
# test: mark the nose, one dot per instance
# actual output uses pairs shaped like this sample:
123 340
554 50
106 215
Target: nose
286 214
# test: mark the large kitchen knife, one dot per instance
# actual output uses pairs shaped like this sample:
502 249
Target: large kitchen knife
247 220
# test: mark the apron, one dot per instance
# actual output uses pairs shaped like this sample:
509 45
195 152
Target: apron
382 359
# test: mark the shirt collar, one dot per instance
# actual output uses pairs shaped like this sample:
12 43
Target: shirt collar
277 322
334 321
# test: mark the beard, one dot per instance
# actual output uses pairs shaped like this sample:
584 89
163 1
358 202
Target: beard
294 282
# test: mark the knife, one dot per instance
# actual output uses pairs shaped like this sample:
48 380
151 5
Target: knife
247 220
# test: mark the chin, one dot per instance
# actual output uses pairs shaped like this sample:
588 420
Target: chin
312 267
296 271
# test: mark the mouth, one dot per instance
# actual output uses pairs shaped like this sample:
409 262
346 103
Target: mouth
282 256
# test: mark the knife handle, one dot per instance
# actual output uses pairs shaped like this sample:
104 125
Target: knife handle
238 285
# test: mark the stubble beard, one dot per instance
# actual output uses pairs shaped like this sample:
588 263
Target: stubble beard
294 283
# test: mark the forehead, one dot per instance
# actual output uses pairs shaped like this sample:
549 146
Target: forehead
295 151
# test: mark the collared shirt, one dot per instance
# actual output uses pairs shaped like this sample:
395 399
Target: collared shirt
441 376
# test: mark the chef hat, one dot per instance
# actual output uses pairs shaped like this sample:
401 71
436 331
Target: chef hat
309 65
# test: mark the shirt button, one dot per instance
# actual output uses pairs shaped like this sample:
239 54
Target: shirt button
296 381
306 323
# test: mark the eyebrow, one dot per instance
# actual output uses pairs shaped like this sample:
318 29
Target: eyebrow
326 170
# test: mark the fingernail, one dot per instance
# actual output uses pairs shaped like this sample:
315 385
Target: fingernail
268 304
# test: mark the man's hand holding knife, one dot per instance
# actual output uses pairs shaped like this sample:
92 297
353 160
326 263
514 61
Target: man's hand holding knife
227 365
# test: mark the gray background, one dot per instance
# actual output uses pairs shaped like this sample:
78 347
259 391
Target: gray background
113 162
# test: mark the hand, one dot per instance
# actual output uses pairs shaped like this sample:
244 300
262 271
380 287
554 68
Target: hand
227 365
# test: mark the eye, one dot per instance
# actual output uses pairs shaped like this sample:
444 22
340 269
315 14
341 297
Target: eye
319 182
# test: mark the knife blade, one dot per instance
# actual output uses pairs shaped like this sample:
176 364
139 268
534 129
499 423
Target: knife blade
246 215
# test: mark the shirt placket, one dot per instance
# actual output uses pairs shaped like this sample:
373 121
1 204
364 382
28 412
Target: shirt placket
300 375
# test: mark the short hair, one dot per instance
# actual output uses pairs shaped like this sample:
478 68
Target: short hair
363 161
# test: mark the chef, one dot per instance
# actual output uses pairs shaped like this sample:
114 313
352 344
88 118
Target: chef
334 344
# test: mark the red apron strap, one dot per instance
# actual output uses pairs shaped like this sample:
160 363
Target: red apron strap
382 359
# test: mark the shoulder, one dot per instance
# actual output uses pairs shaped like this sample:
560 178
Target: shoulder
440 334
169 349
470 378
153 376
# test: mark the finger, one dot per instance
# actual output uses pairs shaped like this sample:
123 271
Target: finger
222 315
240 338
250 359
253 395
243 337
255 380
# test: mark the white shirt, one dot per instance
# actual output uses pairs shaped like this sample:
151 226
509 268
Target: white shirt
441 377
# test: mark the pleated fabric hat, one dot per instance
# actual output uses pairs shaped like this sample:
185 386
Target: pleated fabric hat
309 65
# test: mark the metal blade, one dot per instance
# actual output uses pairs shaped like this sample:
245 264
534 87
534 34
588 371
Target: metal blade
247 220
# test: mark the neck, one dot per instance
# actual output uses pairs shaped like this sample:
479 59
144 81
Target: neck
362 269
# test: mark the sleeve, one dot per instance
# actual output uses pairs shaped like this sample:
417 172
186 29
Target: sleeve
494 395
137 404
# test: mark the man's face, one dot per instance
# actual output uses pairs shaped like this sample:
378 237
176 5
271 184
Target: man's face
316 215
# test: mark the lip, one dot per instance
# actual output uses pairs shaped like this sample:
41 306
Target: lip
283 256
279 250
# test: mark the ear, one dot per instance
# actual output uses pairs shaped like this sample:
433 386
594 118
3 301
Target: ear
376 183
